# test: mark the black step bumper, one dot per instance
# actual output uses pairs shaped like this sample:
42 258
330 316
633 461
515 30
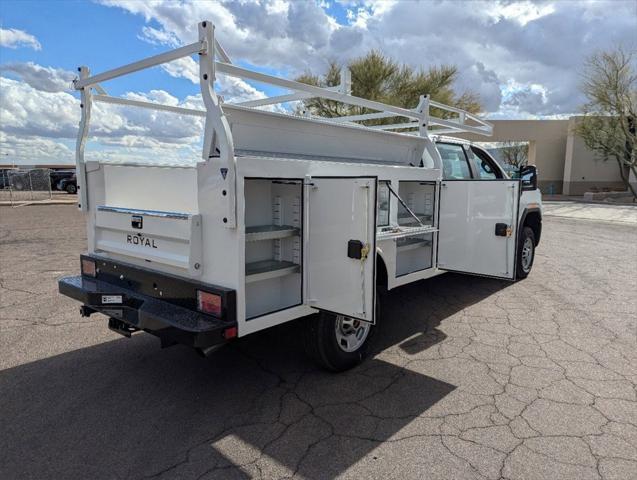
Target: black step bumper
171 323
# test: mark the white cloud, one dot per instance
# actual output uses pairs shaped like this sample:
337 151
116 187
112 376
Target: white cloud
159 37
493 43
25 110
22 149
47 79
231 89
36 123
522 12
278 34
14 38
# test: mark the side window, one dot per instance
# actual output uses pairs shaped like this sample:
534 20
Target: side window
382 210
454 162
484 165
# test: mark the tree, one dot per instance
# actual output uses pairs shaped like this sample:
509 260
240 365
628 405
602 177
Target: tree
610 115
377 77
515 154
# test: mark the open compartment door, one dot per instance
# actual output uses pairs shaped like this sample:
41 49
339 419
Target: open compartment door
478 227
341 245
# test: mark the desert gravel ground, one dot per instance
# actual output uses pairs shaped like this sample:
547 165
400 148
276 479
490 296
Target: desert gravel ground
471 378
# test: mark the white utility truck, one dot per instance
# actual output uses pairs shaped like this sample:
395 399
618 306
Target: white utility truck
290 215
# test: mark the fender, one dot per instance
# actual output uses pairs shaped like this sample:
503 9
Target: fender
380 255
523 220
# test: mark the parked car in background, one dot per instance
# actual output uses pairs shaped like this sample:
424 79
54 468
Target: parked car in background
58 175
69 184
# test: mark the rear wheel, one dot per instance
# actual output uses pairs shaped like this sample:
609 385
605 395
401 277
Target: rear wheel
526 253
337 342
70 188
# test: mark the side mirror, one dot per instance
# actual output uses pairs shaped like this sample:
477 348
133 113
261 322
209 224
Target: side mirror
528 177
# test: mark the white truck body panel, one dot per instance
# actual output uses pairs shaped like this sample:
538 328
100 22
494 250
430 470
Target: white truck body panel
340 210
469 211
302 137
161 238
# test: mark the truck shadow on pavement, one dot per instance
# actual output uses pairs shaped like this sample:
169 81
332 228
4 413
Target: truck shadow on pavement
127 409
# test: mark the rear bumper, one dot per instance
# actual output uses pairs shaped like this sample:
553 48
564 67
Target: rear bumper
171 322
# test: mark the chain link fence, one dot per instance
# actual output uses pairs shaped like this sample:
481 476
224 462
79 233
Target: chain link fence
24 186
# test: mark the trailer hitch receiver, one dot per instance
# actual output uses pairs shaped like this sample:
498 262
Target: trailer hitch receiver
122 328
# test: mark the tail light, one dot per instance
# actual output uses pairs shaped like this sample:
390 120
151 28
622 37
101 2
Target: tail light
209 303
229 333
88 267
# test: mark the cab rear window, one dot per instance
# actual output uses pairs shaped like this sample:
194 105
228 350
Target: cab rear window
454 162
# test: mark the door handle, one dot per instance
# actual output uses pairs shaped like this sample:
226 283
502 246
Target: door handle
502 230
357 250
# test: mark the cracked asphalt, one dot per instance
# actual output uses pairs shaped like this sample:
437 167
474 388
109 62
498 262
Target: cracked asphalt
471 378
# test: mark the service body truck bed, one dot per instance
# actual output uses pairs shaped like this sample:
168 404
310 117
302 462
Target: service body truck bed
287 216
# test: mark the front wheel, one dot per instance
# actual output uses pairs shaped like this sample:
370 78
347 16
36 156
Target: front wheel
526 253
337 342
70 188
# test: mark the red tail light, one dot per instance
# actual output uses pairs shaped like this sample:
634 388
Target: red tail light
229 333
209 303
88 267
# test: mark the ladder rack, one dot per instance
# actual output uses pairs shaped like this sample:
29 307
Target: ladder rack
218 138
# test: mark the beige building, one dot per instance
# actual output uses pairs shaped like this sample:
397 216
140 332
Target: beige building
565 165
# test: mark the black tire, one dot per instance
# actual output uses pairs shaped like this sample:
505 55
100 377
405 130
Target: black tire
322 346
70 188
524 265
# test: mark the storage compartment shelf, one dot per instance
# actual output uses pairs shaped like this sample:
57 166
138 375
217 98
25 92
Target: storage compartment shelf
270 232
267 269
404 231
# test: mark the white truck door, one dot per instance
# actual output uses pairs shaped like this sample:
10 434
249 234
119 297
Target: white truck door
478 227
341 245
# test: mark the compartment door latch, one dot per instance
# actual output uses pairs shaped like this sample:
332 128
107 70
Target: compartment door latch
502 230
137 221
357 250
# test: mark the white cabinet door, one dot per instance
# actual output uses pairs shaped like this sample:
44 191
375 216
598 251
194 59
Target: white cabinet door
478 227
341 212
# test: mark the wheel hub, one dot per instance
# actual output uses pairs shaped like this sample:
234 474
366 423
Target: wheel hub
351 333
527 254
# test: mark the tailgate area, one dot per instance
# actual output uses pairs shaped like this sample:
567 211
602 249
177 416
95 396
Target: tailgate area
162 238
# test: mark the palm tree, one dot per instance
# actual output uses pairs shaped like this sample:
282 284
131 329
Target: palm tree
377 77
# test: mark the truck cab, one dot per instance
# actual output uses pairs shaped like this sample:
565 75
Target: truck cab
289 216
465 161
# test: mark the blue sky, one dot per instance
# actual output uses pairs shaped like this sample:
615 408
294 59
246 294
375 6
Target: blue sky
521 57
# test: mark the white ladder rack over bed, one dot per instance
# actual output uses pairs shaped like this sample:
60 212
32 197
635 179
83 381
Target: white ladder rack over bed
252 128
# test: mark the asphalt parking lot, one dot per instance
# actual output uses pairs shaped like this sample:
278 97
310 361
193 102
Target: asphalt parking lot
472 378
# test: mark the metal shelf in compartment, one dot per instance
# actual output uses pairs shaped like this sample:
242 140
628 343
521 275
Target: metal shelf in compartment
270 232
267 269
404 231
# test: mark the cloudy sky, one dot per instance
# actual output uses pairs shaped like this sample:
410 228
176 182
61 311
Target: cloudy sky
522 57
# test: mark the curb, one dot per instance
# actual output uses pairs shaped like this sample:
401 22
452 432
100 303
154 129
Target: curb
37 202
